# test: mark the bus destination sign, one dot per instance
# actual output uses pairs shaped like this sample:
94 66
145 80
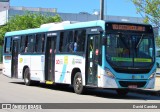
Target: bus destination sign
128 27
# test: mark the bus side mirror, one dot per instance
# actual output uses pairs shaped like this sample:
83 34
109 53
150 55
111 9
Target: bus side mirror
104 41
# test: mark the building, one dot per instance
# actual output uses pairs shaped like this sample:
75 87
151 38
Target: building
82 16
4 7
6 11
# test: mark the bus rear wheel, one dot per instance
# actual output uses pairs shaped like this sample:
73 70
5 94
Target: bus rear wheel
27 79
77 83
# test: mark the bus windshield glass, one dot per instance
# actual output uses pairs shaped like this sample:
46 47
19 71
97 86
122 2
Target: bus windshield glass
130 50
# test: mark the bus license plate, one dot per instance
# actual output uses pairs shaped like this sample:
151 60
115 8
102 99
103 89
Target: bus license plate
132 86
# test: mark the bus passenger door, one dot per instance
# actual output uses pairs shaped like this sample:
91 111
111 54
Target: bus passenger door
50 58
92 59
15 51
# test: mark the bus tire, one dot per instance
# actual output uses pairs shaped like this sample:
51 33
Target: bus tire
27 79
122 92
77 83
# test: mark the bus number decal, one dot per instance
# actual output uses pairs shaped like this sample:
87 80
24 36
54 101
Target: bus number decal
20 60
66 60
59 61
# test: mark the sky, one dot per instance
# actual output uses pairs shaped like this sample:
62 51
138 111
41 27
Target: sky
112 7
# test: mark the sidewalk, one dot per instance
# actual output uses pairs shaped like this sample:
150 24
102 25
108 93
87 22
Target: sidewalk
155 91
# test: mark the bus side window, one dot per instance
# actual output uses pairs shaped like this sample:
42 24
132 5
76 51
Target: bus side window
81 40
31 41
76 39
39 43
23 44
8 43
66 41
43 42
70 43
61 41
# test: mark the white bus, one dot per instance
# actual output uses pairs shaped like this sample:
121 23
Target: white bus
86 54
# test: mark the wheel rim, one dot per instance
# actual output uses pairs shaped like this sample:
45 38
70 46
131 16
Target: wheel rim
78 83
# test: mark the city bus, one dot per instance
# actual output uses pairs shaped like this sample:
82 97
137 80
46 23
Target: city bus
96 54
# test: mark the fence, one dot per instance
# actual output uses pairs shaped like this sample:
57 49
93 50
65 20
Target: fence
1 54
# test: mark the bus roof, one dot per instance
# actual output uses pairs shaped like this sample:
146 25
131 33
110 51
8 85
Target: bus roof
28 31
57 26
61 26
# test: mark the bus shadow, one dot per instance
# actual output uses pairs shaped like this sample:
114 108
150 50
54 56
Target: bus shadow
108 93
103 93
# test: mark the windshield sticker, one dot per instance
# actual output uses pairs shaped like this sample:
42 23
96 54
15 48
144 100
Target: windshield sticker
142 60
130 59
121 59
66 60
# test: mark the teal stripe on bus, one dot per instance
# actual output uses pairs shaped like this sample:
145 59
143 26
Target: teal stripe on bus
100 23
61 79
28 31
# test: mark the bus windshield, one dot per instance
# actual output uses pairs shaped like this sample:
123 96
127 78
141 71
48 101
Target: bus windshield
130 50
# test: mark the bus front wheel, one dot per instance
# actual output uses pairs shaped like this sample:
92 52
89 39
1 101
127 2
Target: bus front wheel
27 79
77 84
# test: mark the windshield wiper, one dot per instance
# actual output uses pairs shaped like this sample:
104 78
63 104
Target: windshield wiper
140 41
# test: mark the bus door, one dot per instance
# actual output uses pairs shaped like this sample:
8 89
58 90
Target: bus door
92 59
50 58
15 51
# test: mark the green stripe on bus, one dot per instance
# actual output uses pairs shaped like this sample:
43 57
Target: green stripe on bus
142 60
130 59
121 59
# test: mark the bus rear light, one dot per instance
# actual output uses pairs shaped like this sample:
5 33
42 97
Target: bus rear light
109 73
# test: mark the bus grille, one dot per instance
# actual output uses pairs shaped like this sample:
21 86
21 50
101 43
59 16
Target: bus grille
128 83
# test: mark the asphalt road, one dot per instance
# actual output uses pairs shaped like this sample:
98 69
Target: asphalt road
14 91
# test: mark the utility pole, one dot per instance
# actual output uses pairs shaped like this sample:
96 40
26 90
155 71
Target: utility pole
101 9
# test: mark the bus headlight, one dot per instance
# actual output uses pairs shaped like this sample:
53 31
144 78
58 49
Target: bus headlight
153 75
109 73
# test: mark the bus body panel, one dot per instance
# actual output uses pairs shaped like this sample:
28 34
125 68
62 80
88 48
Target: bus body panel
64 65
35 64
104 81
37 67
23 61
7 65
151 83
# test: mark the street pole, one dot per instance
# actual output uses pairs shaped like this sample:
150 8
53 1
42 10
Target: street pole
101 9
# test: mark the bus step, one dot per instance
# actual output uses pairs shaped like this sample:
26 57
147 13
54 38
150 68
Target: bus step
49 82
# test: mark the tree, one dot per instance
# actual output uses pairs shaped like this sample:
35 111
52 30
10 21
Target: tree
150 10
26 21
